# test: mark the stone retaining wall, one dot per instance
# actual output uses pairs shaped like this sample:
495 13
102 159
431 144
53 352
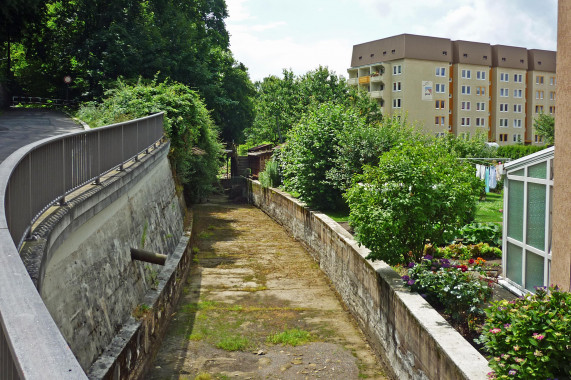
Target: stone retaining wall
408 334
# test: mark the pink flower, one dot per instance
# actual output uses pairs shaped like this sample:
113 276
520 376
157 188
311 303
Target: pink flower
538 336
495 331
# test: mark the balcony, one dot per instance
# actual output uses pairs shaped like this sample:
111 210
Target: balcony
376 78
365 80
353 81
376 94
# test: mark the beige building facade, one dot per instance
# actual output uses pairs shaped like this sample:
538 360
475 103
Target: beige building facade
460 87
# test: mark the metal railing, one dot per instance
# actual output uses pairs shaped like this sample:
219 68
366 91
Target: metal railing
42 101
31 180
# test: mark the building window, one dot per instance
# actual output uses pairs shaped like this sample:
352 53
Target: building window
539 79
436 120
480 122
505 92
538 109
442 119
465 90
517 123
466 74
516 137
538 139
552 109
552 95
504 122
552 81
504 77
481 75
440 71
439 104
440 88
503 107
539 94
480 90
518 78
397 69
503 137
480 106
517 108
518 93
466 106
397 103
397 86
465 121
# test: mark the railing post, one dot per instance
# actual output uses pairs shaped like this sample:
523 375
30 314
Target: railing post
98 179
62 201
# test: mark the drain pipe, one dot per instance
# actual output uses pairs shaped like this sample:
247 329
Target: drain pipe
148 257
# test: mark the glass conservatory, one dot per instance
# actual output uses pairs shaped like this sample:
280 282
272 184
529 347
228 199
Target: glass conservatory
528 195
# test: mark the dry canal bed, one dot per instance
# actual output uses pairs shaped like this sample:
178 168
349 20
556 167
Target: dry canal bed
257 306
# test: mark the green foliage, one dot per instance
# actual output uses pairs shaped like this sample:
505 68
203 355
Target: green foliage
233 343
544 126
362 143
468 148
96 42
416 192
307 156
187 124
464 252
475 233
282 102
530 337
460 290
270 177
517 151
293 337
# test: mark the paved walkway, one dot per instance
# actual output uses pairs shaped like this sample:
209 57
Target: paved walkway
252 290
22 126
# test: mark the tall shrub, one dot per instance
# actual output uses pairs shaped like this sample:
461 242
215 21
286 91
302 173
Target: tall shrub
187 123
416 192
308 155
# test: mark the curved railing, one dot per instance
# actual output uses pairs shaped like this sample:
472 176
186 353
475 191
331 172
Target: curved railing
31 180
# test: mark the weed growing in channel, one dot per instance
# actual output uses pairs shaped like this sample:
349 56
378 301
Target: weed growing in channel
293 337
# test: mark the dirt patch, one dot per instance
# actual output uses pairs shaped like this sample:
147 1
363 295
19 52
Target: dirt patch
250 282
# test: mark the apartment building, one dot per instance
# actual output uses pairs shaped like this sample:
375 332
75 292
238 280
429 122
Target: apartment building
460 87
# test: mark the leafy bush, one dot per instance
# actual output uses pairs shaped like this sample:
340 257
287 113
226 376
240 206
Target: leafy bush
187 123
307 156
363 143
270 177
517 151
475 233
460 290
530 337
468 148
415 193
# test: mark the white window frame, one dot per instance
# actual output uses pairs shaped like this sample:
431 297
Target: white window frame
465 90
466 74
440 71
397 103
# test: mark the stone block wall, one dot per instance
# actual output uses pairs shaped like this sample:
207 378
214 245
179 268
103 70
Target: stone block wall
404 330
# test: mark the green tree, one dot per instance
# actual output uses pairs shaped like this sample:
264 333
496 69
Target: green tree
544 126
281 102
195 151
307 156
416 192
362 143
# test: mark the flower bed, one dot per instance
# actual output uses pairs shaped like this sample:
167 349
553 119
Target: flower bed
459 291
530 337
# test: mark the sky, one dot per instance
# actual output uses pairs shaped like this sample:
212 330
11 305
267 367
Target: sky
271 35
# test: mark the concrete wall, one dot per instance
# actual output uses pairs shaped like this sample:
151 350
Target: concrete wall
414 340
86 277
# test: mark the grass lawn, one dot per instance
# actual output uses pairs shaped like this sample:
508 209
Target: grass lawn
488 210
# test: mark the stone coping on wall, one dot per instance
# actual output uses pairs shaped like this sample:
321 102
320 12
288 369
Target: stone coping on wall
406 332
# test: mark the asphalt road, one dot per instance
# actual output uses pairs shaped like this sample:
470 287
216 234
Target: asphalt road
20 127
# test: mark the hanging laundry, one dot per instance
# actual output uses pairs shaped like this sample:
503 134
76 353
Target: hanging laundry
499 171
487 179
483 172
493 179
478 170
